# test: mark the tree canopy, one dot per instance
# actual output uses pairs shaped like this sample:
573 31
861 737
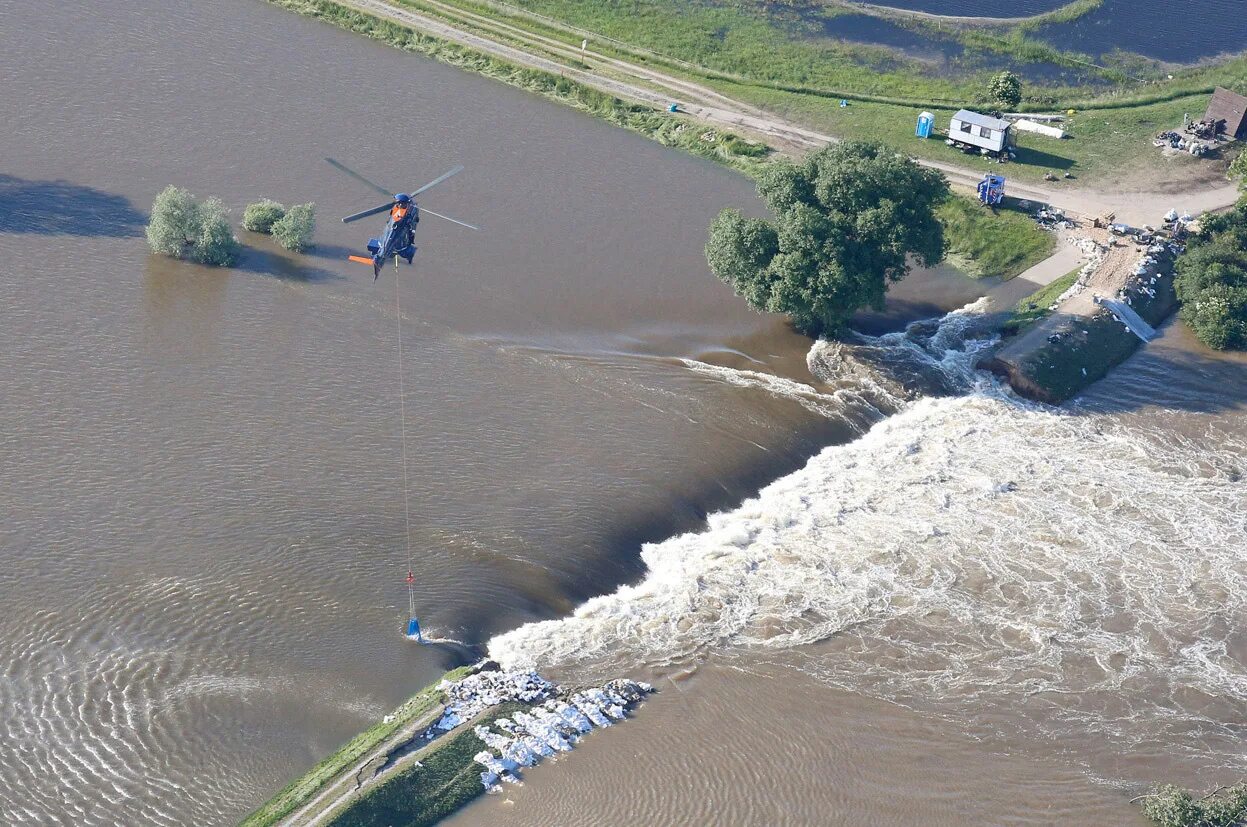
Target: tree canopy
1212 281
1006 89
262 215
847 219
183 227
294 229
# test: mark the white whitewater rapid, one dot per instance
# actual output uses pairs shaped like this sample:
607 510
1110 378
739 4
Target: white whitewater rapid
967 547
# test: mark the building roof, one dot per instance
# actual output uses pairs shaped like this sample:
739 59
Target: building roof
1230 107
975 118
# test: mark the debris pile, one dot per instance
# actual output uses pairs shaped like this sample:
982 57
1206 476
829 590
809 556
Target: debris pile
1175 140
555 726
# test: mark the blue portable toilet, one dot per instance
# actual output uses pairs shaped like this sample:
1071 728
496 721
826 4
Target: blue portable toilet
926 122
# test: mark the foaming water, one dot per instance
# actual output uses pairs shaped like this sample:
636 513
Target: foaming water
1070 574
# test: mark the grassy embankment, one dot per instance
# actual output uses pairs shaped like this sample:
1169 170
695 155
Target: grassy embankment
303 789
444 778
1036 306
775 57
1002 242
726 148
1087 349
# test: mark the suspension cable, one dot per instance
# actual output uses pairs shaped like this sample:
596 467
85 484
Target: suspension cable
402 408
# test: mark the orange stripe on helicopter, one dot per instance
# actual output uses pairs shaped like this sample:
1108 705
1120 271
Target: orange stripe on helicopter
360 259
397 213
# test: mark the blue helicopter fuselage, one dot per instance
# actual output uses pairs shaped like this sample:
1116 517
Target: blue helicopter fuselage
399 236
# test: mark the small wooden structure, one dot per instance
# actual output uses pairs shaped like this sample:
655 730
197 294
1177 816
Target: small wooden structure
982 131
1231 108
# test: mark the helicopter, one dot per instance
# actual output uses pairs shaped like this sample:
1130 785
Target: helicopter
399 238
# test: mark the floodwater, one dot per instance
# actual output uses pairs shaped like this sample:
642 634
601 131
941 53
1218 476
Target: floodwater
1201 30
1204 29
978 589
976 8
201 471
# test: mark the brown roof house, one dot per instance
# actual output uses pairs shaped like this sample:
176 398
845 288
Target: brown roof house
1229 107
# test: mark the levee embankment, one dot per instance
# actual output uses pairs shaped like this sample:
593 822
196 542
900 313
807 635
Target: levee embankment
451 743
1083 339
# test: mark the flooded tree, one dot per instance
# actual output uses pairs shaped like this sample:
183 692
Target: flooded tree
181 226
262 215
294 229
847 220
1211 281
1006 90
1169 806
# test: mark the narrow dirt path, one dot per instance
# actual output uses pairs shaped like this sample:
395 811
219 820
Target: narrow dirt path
343 786
652 87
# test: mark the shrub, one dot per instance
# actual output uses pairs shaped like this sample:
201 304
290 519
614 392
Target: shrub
1217 316
183 227
1238 169
1006 89
1212 282
294 230
215 244
1170 806
262 215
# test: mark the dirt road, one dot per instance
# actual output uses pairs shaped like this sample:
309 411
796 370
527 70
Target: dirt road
643 84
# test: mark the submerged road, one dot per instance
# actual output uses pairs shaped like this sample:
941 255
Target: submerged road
644 84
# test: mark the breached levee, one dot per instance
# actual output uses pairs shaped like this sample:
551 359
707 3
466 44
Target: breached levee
1074 572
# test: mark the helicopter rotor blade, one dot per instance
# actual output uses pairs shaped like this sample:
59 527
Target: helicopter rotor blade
344 168
448 218
453 171
367 213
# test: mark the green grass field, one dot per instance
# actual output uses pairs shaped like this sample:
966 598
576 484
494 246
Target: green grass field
1035 306
983 242
765 54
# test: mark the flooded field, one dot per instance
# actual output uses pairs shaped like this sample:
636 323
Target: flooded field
201 476
1206 29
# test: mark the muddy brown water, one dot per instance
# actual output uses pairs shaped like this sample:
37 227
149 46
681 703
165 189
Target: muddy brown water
200 470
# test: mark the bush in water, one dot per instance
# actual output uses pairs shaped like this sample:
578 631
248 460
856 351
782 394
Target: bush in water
1169 806
260 216
847 220
294 230
183 227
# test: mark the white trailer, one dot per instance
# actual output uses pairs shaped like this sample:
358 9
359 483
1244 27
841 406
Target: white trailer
981 131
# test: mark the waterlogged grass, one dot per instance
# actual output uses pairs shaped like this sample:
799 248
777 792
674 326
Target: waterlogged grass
422 793
666 129
983 242
1036 306
303 789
